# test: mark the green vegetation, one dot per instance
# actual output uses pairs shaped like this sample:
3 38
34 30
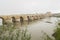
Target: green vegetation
57 33
46 37
10 32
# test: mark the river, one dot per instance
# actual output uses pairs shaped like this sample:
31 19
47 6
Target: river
41 28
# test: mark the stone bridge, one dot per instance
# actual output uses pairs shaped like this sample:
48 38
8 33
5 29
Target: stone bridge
22 17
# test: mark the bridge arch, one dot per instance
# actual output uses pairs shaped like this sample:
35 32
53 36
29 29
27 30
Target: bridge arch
1 21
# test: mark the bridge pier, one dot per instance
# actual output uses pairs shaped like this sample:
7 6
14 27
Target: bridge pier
13 20
21 20
28 19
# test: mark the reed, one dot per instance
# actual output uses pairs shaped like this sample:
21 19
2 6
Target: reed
11 33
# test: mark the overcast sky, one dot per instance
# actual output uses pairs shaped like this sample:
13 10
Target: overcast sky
28 6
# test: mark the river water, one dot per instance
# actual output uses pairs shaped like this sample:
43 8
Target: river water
42 28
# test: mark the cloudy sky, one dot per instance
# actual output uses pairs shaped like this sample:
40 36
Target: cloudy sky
28 6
